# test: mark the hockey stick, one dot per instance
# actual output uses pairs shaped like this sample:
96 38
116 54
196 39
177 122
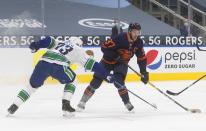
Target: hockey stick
175 94
186 109
123 87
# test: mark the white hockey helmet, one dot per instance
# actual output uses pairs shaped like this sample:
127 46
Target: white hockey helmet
76 40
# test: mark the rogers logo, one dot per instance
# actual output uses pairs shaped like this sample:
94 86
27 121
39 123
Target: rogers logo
99 23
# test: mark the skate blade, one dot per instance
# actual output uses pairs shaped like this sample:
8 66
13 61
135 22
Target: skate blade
67 114
9 115
131 112
78 109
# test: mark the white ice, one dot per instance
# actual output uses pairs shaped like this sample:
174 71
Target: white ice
105 111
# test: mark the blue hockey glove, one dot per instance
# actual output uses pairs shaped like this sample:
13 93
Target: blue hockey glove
145 77
109 78
33 47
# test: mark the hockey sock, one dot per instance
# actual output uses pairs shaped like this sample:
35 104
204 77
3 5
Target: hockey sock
24 94
124 95
68 91
88 93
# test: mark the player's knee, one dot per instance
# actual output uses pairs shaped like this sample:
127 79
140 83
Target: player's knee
119 76
35 84
119 85
120 80
96 82
91 88
68 80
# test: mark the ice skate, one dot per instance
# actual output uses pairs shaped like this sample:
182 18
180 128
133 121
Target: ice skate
81 106
12 109
129 106
68 111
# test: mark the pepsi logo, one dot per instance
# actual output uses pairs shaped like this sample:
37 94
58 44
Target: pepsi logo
154 60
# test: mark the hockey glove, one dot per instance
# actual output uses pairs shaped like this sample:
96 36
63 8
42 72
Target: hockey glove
90 53
145 77
33 47
109 78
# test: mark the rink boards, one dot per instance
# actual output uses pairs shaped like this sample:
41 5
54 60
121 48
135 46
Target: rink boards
164 64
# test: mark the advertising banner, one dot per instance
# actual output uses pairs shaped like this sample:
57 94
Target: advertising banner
96 40
168 57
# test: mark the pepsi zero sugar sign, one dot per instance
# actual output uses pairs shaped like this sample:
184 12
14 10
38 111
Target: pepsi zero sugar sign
174 59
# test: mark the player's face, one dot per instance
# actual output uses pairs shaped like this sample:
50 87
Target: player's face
134 34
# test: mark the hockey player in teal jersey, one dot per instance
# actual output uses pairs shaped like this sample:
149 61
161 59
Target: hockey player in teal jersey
55 63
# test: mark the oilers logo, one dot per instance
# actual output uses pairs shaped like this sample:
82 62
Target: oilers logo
154 60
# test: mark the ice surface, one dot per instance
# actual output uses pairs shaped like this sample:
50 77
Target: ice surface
105 110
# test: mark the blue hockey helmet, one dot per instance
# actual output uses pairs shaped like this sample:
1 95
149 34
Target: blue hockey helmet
136 26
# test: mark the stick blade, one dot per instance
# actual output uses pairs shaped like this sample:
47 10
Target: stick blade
194 110
171 93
